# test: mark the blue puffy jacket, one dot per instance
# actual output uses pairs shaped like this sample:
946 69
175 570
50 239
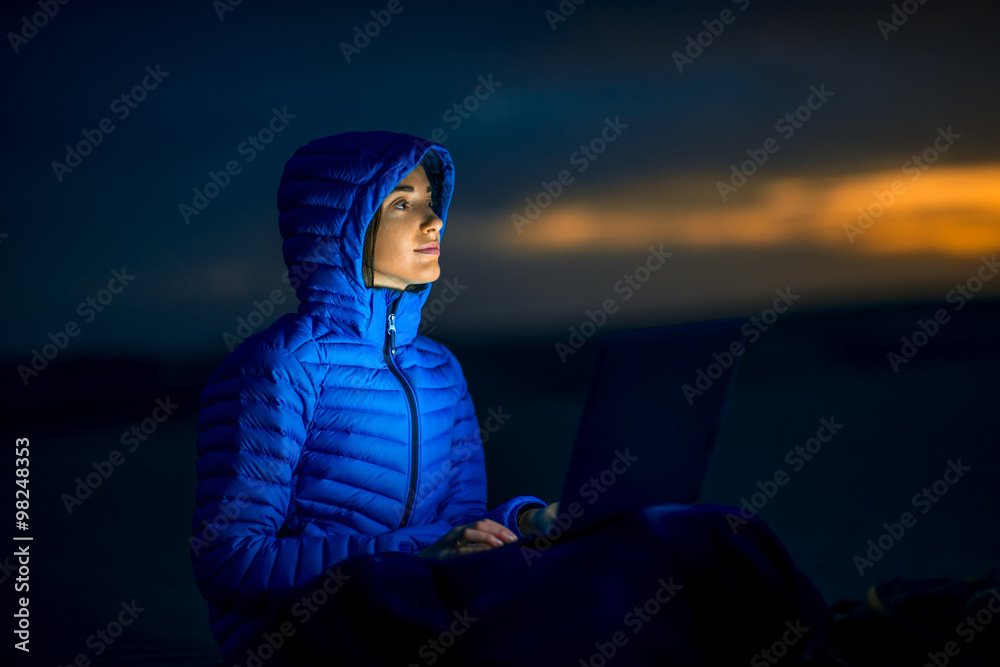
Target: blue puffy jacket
337 430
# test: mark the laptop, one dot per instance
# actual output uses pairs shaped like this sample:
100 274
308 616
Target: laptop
654 409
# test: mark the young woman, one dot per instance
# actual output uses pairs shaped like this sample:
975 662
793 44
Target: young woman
337 444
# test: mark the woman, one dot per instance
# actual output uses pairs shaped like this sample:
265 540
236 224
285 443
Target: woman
337 444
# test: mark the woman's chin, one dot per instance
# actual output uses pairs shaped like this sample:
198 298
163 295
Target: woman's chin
429 274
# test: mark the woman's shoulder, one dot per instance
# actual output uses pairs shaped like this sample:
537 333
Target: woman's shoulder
292 332
287 342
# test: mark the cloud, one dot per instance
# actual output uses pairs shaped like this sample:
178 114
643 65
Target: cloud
945 209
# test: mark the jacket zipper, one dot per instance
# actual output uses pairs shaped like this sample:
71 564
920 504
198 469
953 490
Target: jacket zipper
389 352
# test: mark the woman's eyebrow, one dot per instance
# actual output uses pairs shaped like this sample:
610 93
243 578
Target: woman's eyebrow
406 188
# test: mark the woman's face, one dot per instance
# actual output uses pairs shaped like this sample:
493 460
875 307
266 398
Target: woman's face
408 225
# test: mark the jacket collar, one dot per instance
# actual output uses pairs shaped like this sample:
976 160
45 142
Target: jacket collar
366 317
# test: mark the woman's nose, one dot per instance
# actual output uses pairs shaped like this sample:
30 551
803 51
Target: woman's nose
432 221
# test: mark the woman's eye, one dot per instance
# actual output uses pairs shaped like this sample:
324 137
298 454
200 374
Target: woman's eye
404 203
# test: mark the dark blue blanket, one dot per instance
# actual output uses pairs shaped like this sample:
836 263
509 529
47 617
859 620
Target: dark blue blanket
669 584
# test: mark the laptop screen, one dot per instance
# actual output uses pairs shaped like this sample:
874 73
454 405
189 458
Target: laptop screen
654 409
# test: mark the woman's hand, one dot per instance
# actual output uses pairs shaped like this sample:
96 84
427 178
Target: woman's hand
540 519
472 537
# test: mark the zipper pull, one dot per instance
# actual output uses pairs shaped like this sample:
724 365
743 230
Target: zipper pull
392 334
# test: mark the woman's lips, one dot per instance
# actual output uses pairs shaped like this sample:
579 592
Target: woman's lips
429 251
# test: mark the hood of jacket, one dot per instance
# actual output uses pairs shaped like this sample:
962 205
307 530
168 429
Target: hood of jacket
329 191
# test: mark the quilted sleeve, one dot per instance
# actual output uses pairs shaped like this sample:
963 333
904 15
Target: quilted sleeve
253 418
465 500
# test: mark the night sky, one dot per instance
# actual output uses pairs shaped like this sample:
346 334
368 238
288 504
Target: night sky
687 116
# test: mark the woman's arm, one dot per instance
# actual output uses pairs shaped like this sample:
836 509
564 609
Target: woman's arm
253 420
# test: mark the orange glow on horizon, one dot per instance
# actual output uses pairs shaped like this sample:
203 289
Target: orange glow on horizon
951 210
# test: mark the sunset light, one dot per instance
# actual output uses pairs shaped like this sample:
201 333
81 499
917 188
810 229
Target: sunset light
951 210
